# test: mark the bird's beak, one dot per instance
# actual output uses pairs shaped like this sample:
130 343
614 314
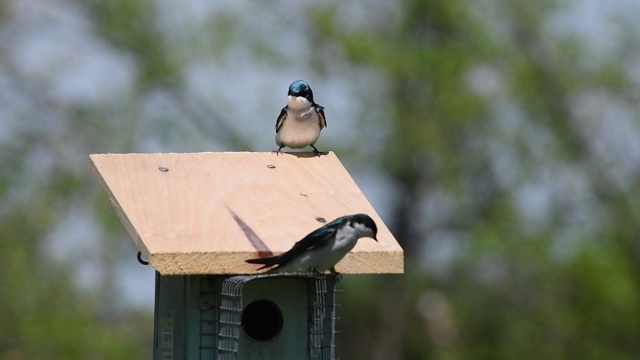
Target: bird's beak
374 238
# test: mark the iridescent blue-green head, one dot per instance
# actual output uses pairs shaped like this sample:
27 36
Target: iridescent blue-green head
301 88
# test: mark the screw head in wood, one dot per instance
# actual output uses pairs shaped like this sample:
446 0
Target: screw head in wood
206 302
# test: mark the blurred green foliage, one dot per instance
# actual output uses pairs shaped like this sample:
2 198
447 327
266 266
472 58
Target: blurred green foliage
513 288
506 294
44 316
130 25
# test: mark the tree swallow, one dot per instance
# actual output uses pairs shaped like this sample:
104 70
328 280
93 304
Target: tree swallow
300 122
322 248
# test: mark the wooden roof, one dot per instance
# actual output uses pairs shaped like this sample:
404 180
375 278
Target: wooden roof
205 213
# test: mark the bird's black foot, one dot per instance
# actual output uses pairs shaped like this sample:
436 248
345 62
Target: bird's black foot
316 152
279 151
336 274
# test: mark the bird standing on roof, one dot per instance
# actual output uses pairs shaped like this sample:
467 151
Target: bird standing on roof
322 248
300 122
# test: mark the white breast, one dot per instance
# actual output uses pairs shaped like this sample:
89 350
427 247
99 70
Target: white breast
301 128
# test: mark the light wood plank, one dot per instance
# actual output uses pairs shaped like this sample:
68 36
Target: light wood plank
182 219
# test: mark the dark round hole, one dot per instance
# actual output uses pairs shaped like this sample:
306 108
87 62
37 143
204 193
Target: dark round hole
262 320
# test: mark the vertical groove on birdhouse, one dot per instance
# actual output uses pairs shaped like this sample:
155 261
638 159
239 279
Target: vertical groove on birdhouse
208 305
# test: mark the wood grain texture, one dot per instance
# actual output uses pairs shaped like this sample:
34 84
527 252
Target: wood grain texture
178 208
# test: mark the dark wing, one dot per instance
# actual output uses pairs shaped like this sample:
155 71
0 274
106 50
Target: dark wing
281 117
323 119
317 238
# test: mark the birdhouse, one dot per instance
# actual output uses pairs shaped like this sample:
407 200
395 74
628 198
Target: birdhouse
198 217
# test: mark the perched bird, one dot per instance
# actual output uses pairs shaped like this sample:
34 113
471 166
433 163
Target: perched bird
322 248
300 122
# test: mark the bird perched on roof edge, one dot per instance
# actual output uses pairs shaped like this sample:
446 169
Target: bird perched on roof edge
301 120
323 248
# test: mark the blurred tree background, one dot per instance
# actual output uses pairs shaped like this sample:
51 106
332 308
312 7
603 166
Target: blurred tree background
499 139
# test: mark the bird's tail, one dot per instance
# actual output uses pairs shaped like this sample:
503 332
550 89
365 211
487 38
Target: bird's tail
265 261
